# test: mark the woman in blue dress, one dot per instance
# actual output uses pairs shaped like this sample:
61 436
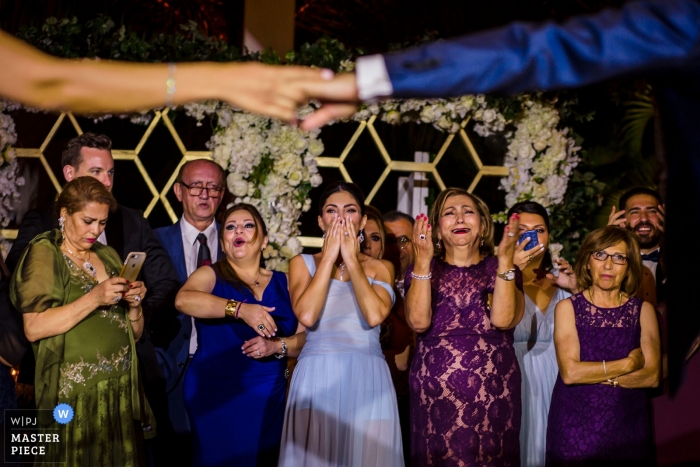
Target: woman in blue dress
342 408
235 385
533 337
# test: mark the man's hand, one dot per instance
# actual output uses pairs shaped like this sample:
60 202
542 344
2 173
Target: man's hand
338 98
617 218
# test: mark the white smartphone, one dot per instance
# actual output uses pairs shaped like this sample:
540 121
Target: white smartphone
132 265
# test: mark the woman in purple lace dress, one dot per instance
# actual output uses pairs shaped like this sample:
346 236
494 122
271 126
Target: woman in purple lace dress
607 344
464 304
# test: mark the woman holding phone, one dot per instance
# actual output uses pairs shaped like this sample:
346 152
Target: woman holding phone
83 321
533 337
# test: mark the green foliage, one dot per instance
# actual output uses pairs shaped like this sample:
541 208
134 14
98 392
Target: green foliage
324 53
583 198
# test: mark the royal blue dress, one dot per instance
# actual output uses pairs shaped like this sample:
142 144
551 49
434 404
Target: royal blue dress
236 403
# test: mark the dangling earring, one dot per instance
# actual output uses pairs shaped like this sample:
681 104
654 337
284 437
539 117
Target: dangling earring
438 245
482 242
324 235
61 225
362 236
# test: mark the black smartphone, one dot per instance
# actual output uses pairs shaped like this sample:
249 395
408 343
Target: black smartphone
534 241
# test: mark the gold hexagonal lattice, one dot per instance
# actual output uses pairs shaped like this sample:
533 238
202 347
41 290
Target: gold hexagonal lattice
162 118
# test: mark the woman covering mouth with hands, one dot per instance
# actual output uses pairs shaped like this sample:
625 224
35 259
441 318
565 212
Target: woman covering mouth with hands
464 303
342 407
236 383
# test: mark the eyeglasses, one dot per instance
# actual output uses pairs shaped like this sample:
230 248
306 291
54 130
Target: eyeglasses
616 258
213 191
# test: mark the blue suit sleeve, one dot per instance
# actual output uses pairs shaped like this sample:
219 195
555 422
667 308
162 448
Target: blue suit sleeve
644 37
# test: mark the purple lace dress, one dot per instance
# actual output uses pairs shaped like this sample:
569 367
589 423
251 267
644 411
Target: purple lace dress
465 379
596 424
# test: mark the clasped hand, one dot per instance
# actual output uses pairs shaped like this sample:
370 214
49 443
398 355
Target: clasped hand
341 239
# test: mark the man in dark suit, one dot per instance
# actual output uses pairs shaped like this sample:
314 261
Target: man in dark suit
90 155
191 242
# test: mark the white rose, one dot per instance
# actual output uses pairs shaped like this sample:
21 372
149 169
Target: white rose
236 184
307 205
489 115
427 115
315 147
294 178
392 117
316 180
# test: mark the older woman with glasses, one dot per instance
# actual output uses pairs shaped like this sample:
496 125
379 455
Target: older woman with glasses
607 345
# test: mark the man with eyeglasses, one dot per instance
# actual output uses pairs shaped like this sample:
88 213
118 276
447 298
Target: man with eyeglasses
192 242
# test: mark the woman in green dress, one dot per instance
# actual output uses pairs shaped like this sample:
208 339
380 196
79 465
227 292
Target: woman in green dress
83 320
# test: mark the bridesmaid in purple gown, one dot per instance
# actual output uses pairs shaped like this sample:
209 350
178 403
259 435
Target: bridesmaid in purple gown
607 344
464 304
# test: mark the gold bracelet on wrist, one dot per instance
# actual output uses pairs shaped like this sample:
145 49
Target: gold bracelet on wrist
138 317
232 307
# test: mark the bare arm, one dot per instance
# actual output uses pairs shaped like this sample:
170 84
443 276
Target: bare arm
568 348
649 375
374 300
195 299
419 313
61 319
40 80
508 302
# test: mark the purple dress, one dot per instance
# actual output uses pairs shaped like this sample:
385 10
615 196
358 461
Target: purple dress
465 379
596 424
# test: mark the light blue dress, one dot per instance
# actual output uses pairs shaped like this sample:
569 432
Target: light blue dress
341 409
534 347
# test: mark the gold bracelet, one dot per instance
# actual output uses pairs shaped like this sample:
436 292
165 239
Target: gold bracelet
231 309
138 317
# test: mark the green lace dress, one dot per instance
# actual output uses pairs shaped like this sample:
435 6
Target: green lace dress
92 367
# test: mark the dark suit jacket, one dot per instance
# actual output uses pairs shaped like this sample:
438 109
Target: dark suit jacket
657 38
174 331
126 231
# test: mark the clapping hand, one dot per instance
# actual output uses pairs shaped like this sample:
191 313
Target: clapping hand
349 243
331 240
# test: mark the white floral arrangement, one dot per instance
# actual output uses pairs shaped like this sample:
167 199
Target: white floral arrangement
9 181
273 165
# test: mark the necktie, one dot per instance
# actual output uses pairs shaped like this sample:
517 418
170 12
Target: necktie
204 255
654 256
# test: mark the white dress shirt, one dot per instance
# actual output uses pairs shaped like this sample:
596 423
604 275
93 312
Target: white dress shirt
652 265
372 78
191 247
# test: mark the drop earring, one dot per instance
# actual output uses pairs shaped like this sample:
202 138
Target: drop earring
438 245
62 226
324 235
482 242
362 236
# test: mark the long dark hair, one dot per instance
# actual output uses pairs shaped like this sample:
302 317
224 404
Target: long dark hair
223 267
348 187
532 207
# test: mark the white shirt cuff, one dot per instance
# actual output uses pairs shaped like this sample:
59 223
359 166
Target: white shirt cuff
372 78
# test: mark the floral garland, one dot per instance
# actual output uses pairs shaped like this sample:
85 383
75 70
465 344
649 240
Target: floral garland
9 181
273 165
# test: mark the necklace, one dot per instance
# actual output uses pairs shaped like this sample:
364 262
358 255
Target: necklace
590 295
255 282
87 265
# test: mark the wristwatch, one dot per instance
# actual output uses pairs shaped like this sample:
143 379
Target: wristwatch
508 275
